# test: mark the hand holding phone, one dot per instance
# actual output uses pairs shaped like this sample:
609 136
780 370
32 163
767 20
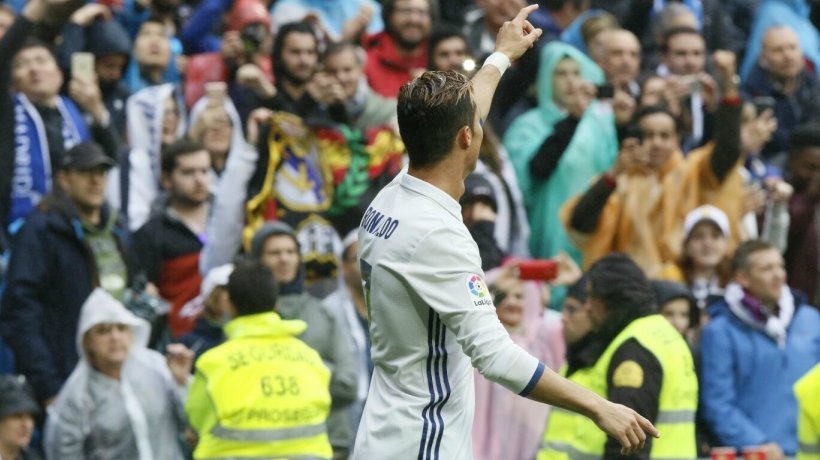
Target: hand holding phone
537 270
605 91
82 67
216 92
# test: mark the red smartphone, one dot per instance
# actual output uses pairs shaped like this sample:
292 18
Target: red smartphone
538 269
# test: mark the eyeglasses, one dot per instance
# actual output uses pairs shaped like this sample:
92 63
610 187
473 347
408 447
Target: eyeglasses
409 11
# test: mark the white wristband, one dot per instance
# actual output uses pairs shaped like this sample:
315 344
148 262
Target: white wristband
499 60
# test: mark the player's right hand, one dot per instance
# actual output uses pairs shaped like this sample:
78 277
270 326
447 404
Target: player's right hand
518 35
625 425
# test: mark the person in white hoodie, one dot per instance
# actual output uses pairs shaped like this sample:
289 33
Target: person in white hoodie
122 400
215 123
156 117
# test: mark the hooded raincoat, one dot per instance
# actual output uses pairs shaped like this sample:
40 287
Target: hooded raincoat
592 151
237 137
139 417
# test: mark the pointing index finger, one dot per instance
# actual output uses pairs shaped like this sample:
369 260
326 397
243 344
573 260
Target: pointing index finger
647 427
522 15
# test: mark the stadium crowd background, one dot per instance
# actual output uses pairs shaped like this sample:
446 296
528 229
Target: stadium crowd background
149 145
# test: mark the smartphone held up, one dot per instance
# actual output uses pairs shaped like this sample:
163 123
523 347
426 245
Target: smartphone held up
537 270
82 67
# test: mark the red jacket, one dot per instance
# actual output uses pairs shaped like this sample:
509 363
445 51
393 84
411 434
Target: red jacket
385 69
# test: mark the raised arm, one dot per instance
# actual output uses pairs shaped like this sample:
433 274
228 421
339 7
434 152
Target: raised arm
514 38
727 137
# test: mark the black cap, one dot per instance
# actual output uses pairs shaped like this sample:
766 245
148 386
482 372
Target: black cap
85 156
106 38
16 396
667 291
580 290
477 188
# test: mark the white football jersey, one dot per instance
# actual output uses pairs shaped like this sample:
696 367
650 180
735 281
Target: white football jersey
431 321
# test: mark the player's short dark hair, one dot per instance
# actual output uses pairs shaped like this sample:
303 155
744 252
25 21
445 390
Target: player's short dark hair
439 34
431 110
252 288
179 148
740 260
675 31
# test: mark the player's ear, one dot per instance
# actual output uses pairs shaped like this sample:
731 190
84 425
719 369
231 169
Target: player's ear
464 137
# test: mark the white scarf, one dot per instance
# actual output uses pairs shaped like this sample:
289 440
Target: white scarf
776 325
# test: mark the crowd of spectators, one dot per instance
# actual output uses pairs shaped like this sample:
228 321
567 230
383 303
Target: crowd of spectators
149 147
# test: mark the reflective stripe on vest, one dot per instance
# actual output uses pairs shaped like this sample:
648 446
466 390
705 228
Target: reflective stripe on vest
813 449
677 399
566 448
268 457
675 416
280 434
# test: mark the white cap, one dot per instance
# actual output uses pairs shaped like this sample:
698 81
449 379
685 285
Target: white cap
706 212
215 278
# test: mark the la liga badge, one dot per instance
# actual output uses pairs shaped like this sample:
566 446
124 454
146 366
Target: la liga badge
479 293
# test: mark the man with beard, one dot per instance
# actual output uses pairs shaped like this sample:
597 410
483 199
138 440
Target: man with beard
169 244
295 59
399 53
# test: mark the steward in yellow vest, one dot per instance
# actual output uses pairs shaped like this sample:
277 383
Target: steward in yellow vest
263 393
807 391
642 362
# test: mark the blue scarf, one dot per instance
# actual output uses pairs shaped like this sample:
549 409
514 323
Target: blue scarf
31 179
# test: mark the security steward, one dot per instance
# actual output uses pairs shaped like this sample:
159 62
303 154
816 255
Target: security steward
263 393
807 391
639 360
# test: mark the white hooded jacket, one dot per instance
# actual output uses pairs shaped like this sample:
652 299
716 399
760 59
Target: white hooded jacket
146 112
138 417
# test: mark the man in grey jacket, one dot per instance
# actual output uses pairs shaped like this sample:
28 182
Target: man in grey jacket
345 90
276 246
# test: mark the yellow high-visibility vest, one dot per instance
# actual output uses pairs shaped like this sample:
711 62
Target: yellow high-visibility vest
572 436
807 391
261 394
